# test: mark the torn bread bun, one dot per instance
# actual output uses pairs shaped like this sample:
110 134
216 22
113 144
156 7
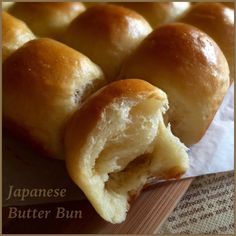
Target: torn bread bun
47 19
190 67
15 33
107 34
116 141
44 82
158 13
217 20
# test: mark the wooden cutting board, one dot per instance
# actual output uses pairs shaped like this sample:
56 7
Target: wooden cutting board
146 215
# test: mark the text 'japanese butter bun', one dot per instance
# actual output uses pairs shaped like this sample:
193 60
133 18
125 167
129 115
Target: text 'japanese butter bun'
44 82
217 21
15 33
190 67
107 34
158 13
47 19
116 141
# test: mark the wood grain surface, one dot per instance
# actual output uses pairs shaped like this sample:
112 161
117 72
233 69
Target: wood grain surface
146 215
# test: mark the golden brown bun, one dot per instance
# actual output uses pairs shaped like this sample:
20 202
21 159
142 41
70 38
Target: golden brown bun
44 82
158 13
7 5
47 19
107 34
112 153
15 33
217 21
190 67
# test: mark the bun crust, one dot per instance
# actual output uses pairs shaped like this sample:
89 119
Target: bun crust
47 19
189 66
158 13
15 33
107 34
217 21
44 82
112 154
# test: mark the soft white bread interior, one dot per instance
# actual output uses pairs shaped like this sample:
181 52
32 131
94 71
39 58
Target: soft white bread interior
47 19
15 33
44 82
217 20
158 13
107 34
116 141
190 67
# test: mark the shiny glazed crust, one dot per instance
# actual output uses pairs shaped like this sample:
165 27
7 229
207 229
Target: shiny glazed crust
107 34
15 33
47 19
190 67
44 82
158 13
217 21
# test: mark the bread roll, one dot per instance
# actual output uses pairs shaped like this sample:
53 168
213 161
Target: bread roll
44 82
217 21
107 34
158 13
47 19
111 154
14 34
190 67
7 5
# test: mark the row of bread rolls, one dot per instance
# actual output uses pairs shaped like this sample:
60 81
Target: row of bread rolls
45 82
72 24
114 140
47 19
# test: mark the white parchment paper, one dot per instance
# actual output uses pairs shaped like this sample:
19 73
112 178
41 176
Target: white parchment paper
24 168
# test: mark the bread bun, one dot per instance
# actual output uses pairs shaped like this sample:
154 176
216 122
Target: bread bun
47 19
158 13
44 82
7 5
107 34
15 33
216 20
111 154
190 67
